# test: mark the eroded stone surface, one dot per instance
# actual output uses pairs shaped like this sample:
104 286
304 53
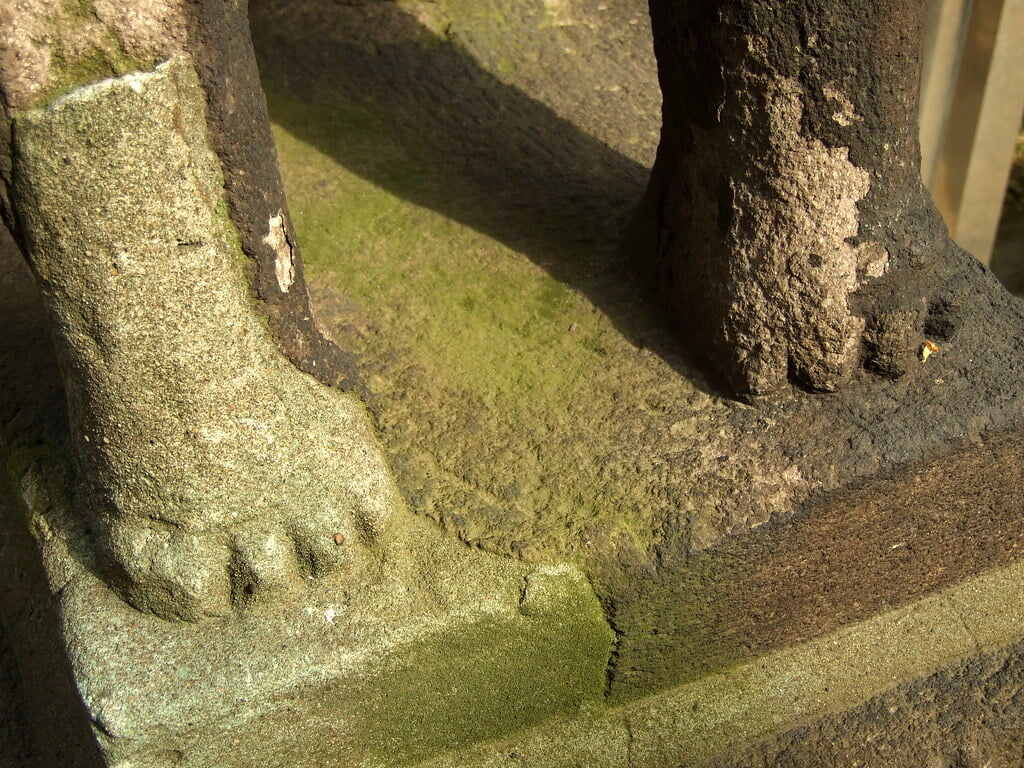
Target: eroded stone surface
788 166
218 470
794 268
545 418
777 280
47 45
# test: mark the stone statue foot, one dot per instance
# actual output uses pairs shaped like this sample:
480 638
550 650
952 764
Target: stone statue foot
217 471
295 513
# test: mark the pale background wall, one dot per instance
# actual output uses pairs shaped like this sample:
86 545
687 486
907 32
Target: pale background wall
972 100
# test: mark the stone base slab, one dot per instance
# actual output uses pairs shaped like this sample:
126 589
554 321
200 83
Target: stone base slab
948 645
384 674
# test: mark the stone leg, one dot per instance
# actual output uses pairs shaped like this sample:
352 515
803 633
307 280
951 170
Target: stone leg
215 470
785 221
223 484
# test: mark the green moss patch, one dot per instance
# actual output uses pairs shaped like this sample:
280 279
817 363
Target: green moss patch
531 400
516 413
74 64
492 676
498 382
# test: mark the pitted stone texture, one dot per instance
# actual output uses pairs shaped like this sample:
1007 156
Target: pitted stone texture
785 220
792 269
389 673
46 45
773 283
216 468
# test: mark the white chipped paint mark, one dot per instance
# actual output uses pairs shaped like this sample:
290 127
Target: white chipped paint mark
136 81
846 114
329 615
284 264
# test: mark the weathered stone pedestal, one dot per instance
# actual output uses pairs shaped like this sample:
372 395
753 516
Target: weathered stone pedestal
379 675
499 663
604 562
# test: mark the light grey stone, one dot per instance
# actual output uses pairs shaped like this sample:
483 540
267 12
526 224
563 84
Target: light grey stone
217 470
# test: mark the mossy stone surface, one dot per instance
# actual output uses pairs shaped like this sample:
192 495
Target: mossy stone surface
462 227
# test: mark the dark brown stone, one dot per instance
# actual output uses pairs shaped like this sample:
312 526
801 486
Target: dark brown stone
848 555
785 221
239 128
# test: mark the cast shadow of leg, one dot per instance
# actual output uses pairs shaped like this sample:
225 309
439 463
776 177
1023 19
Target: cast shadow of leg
502 163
